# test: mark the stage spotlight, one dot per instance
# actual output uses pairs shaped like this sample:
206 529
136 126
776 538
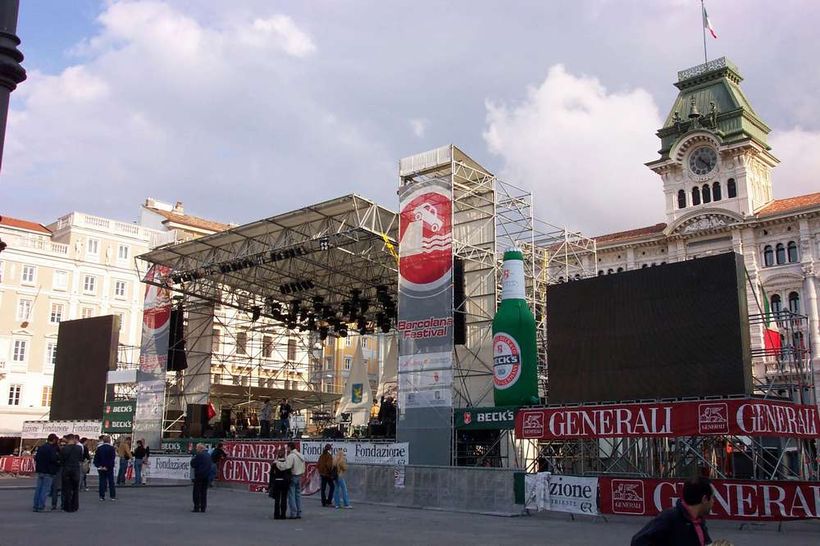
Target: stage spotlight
385 326
323 333
363 305
256 312
342 332
317 303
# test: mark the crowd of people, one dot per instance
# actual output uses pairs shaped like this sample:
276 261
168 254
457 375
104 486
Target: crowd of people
62 465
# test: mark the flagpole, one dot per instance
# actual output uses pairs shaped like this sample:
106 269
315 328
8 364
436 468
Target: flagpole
703 25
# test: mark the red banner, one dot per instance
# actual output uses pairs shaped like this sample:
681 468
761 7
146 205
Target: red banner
17 465
739 500
249 462
743 417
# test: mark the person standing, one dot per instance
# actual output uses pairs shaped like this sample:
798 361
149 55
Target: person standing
264 418
387 416
325 468
683 524
72 458
284 417
217 456
139 458
124 453
104 459
86 464
279 486
201 467
57 482
46 464
295 462
339 471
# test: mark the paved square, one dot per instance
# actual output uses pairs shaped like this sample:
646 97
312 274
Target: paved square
162 515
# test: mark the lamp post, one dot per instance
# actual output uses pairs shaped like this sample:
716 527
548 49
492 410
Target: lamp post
11 72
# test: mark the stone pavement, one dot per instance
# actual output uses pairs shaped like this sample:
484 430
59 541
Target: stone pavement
162 515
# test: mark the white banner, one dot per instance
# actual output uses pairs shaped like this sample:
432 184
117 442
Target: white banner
36 430
426 389
395 453
558 493
169 467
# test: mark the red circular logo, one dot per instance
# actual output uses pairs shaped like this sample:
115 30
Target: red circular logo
425 239
506 361
468 418
157 309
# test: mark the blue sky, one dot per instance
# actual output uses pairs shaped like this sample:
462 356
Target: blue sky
249 108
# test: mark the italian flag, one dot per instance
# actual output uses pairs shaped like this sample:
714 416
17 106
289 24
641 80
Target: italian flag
707 24
771 334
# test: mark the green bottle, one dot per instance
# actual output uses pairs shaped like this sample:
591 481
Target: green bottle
515 354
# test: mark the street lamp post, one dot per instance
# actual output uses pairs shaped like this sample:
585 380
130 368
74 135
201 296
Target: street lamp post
11 72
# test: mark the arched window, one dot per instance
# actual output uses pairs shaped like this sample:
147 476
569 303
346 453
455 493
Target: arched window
777 305
620 270
792 248
780 253
731 188
794 302
768 256
600 272
681 199
707 194
716 191
696 195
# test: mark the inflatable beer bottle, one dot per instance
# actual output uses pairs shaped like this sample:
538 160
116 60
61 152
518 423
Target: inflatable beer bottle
515 355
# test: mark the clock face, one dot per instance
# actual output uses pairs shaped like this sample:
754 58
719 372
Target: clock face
702 160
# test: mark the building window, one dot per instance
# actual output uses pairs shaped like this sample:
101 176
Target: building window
90 284
120 289
216 340
364 342
716 191
696 195
780 253
87 312
706 194
29 274
242 343
122 253
61 280
348 362
329 363
56 313
794 302
20 350
768 256
92 247
731 188
51 354
24 309
14 394
291 350
267 346
681 199
792 248
777 304
1 272
348 341
45 399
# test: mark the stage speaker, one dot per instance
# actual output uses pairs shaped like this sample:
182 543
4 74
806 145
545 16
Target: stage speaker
177 361
459 299
86 351
742 467
196 419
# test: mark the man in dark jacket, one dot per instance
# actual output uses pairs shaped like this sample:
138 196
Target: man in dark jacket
201 467
46 464
104 459
682 525
325 468
72 458
278 487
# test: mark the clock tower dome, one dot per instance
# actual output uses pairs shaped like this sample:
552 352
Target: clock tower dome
714 156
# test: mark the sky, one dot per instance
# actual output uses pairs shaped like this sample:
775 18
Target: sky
249 108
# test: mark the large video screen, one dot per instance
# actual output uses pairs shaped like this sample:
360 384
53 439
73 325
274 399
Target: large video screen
86 350
675 330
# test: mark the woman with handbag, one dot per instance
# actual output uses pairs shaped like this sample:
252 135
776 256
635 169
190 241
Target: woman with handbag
278 487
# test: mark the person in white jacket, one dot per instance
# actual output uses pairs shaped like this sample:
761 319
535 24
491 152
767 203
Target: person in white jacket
295 462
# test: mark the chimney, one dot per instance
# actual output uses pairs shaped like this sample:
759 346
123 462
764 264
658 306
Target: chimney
178 208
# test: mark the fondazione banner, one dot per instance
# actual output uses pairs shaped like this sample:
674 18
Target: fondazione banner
382 453
733 499
743 417
558 493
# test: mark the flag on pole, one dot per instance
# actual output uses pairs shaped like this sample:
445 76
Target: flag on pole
771 333
707 24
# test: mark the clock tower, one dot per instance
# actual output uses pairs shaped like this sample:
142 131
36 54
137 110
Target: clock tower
714 158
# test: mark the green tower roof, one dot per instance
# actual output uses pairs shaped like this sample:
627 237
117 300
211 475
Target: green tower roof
711 99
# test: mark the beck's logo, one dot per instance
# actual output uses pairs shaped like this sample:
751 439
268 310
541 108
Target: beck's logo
532 425
627 497
425 239
468 418
713 418
506 361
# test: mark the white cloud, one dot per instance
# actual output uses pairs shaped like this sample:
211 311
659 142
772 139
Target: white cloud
799 162
581 149
419 126
281 30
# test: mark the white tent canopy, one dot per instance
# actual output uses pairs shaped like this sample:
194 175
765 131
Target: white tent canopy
388 382
357 397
